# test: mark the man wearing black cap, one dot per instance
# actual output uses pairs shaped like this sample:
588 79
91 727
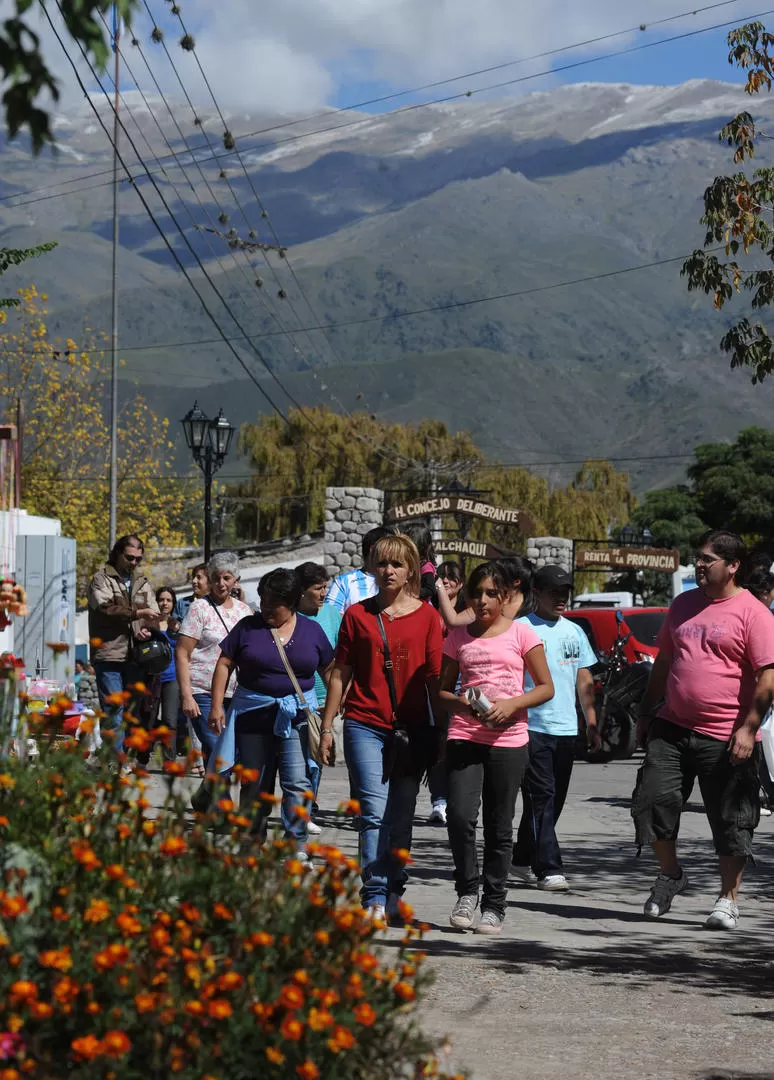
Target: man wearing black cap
553 730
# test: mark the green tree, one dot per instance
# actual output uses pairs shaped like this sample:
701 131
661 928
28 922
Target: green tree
26 73
14 257
737 216
673 516
734 485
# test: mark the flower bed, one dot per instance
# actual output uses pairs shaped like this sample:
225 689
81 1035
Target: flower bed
138 947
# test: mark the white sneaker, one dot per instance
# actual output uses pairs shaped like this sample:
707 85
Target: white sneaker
553 883
765 811
313 828
438 814
724 915
525 874
664 890
464 912
377 912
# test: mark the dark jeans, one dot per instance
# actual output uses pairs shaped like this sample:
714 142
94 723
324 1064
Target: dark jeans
168 715
493 774
438 782
112 678
259 748
551 758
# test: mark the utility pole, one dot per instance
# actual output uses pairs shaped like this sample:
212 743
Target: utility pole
431 481
114 334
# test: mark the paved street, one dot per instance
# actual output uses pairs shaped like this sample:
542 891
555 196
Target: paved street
581 985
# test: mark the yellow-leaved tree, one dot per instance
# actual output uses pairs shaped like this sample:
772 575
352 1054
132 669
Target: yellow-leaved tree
63 391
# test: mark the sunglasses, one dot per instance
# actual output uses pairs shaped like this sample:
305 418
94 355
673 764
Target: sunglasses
133 558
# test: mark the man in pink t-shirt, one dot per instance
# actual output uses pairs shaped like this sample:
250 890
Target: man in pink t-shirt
715 674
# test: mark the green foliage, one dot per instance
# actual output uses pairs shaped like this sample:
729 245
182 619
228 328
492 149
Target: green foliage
734 484
14 257
145 946
673 516
26 71
737 209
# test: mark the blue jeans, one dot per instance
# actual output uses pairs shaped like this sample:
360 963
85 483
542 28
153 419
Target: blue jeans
207 737
259 748
386 812
113 678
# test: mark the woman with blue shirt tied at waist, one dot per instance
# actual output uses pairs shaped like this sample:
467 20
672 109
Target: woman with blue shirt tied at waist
267 727
553 731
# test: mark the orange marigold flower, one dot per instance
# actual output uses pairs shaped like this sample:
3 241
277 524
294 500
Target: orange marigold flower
10 1074
261 938
23 990
41 1010
220 911
173 845
230 980
95 642
365 961
65 990
343 1037
188 911
149 827
294 866
219 1009
225 805
7 782
405 991
12 906
403 855
87 1047
83 853
291 1028
175 768
364 1014
60 959
266 797
319 1019
322 937
275 1056
124 832
128 924
97 911
301 977
194 1008
112 955
3 821
291 997
145 1002
158 937
93 1008
307 1070
246 776
327 998
116 1044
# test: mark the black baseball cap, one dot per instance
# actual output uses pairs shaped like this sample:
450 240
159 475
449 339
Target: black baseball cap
551 577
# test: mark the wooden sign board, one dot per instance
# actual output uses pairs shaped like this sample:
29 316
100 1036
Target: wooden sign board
467 547
453 504
662 560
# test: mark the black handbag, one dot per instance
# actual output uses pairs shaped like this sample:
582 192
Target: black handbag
153 655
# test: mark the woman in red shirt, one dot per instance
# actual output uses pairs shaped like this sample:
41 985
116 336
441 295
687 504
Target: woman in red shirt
388 750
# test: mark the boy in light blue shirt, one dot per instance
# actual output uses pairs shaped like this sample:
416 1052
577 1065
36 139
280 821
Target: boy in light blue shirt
553 731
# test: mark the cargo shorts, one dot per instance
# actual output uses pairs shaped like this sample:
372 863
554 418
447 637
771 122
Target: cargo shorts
674 759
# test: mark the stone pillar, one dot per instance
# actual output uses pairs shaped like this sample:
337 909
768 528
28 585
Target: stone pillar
349 514
550 550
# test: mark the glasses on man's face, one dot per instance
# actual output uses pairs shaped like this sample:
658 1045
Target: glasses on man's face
707 560
133 558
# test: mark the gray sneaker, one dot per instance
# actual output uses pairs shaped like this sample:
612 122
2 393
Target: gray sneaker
464 912
490 922
664 890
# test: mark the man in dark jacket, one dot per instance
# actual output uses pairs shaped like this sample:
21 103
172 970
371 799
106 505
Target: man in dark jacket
122 606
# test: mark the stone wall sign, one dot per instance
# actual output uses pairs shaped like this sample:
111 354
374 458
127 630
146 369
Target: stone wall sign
453 504
665 560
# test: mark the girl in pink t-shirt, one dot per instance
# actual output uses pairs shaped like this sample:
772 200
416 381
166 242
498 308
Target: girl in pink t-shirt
487 755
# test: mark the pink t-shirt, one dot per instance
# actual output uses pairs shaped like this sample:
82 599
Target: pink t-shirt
496 666
208 624
717 646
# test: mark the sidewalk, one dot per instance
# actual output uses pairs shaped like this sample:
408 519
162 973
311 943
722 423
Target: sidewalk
580 985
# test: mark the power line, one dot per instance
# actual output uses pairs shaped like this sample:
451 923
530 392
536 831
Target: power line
442 82
395 456
148 210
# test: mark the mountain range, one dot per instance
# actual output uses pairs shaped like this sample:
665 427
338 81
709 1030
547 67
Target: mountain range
491 212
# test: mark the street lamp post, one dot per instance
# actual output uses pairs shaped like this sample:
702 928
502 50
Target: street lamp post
209 441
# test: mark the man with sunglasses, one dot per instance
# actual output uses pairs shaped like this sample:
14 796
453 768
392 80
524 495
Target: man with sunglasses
715 674
122 606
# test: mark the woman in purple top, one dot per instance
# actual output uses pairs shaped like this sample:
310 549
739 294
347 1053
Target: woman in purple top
269 722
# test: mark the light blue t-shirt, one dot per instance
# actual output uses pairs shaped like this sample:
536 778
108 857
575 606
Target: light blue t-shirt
567 651
330 620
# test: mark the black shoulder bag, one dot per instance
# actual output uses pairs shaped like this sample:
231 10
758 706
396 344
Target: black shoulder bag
397 750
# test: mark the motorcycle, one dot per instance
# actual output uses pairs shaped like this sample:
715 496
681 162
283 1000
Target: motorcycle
621 687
